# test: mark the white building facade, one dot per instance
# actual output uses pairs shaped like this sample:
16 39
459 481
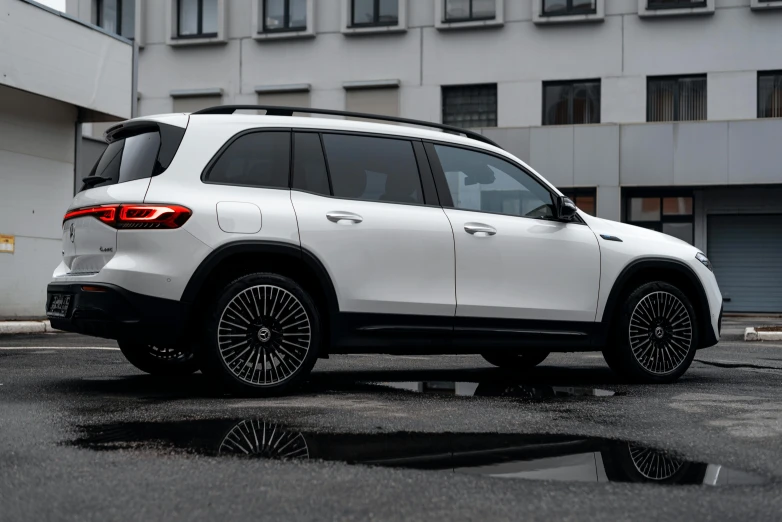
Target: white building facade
662 113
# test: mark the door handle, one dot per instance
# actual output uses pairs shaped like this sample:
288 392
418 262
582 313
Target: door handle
344 218
479 229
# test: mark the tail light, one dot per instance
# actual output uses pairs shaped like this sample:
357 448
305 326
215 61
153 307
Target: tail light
135 216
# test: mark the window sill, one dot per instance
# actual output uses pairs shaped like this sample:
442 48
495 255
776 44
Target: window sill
284 35
567 19
476 24
757 5
375 29
184 42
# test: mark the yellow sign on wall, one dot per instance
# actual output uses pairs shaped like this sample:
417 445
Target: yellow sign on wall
6 244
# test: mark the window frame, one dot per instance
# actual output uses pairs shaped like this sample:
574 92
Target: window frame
703 7
470 18
118 19
657 225
676 95
200 34
443 88
762 74
441 23
375 18
444 191
286 28
256 130
569 10
571 98
657 5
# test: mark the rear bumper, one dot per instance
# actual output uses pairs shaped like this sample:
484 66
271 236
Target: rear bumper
116 313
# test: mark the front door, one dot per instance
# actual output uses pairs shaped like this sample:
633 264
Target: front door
514 260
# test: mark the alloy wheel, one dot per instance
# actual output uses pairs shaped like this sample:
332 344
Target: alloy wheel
660 333
260 439
654 464
264 335
166 354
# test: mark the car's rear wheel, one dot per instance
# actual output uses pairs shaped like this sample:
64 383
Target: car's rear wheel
262 335
158 361
656 336
516 361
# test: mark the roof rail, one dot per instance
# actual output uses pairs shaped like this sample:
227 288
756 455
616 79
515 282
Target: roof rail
273 110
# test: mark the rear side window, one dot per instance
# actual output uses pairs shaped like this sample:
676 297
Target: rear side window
124 160
309 165
258 159
373 169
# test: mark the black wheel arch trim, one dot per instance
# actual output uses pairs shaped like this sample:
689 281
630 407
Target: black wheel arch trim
700 301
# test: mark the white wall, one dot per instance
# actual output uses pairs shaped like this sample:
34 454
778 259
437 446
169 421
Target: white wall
36 184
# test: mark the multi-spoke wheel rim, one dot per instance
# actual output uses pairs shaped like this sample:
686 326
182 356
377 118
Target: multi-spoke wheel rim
259 439
166 354
660 333
654 464
264 335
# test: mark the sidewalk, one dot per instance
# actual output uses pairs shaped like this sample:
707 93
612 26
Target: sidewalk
26 327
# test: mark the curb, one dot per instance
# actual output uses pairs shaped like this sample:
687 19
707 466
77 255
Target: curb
26 327
750 334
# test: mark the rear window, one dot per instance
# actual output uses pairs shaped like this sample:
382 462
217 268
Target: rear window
258 159
124 160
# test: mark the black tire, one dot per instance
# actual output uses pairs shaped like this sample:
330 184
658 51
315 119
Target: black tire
655 337
158 361
516 361
261 315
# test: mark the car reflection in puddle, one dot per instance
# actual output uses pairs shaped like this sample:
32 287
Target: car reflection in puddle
496 389
512 456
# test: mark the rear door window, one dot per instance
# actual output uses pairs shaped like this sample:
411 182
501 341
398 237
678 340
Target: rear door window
127 159
373 169
258 159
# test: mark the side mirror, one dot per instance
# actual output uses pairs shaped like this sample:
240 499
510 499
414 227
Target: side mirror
566 209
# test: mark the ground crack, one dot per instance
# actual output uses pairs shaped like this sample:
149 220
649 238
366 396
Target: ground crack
738 365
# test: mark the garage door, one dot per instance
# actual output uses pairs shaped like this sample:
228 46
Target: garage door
746 252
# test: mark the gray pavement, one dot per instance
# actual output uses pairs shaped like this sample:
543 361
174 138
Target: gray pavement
85 436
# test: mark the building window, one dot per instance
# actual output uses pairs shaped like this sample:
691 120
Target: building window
584 198
675 4
371 13
672 215
284 15
117 16
770 94
571 102
196 18
681 98
568 7
469 10
470 105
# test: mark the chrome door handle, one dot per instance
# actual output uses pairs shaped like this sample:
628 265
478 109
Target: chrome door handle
344 218
479 229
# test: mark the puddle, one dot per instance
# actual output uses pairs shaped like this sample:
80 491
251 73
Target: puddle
496 389
509 456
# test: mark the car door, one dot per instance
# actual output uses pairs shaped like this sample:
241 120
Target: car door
387 248
514 260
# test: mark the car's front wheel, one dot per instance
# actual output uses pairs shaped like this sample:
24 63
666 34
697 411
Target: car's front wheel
656 336
262 335
158 361
514 360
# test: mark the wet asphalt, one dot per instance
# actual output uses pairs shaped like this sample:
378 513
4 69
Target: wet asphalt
85 436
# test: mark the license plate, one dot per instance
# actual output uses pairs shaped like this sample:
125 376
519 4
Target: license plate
58 305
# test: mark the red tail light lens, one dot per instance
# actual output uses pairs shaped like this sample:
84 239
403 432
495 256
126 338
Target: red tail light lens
136 216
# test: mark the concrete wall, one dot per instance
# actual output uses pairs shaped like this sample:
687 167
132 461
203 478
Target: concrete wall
37 138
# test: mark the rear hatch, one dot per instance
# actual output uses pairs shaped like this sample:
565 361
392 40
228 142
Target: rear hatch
137 151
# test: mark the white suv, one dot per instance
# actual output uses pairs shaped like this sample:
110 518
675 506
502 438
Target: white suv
249 245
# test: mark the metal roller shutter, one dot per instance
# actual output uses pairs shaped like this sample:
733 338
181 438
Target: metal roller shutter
746 252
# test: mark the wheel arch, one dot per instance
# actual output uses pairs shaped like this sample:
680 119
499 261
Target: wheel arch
671 271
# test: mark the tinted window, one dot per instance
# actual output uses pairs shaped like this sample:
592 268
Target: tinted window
127 159
309 166
259 159
373 169
483 182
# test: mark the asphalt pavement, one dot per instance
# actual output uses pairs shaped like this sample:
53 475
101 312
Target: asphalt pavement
85 436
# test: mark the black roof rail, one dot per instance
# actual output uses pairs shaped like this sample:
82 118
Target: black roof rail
273 110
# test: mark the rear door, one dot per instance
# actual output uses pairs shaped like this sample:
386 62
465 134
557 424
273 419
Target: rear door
386 244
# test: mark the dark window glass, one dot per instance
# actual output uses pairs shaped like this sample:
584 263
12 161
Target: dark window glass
680 98
675 4
284 15
259 159
571 103
197 18
466 10
309 165
584 198
672 215
569 7
117 16
483 182
373 169
770 94
470 105
127 160
374 12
